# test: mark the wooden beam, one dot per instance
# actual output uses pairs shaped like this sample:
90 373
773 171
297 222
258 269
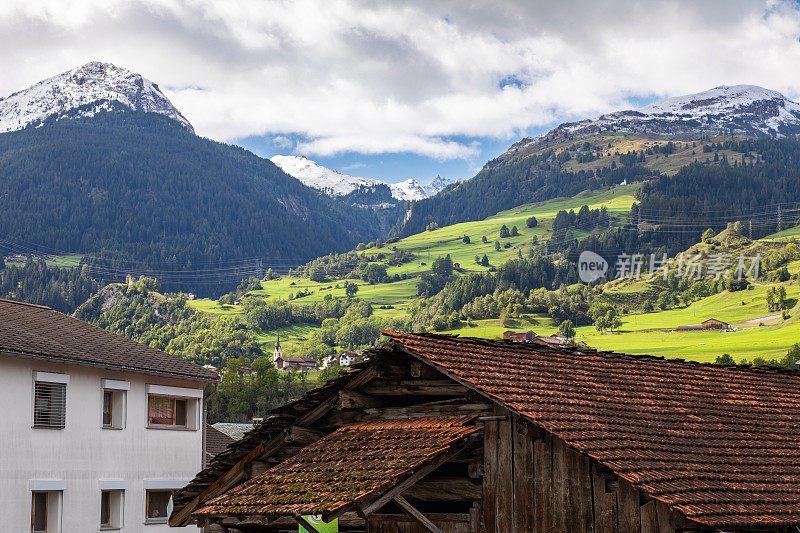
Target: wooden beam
303 522
443 388
416 515
349 399
413 478
445 489
363 377
303 435
316 413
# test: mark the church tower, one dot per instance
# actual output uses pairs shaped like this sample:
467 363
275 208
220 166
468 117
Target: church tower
278 352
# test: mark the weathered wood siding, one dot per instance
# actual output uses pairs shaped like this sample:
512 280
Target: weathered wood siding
534 483
396 523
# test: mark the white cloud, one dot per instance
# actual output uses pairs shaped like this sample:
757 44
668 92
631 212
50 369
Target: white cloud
406 76
282 141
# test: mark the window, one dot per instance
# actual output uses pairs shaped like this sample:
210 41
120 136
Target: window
108 408
167 411
45 511
49 405
39 512
156 506
105 508
114 397
111 509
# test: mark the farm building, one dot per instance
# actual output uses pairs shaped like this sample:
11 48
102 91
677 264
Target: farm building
713 323
519 336
437 433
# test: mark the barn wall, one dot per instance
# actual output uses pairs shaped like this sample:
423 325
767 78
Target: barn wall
533 482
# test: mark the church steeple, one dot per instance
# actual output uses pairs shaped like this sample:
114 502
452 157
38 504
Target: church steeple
278 352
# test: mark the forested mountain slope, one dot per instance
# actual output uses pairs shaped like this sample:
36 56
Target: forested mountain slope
137 190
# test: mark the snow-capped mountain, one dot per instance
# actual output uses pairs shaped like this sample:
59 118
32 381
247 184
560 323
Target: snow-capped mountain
335 183
741 110
85 90
438 183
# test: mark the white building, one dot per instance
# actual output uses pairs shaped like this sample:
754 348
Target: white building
97 429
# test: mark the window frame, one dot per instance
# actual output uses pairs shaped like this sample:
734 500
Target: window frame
159 520
46 496
110 394
174 401
63 419
105 494
118 391
115 508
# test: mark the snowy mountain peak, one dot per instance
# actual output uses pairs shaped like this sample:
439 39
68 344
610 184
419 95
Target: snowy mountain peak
740 110
721 99
93 87
335 183
439 183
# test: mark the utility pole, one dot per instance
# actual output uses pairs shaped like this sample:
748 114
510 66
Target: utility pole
751 229
779 218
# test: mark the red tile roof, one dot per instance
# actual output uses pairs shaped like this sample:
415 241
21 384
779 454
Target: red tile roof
38 332
344 468
717 443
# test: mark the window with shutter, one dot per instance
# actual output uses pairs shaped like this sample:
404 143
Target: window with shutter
50 405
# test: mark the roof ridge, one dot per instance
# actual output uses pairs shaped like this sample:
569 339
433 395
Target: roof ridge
765 369
5 300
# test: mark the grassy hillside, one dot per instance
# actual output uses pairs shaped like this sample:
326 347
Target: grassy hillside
536 172
760 332
392 299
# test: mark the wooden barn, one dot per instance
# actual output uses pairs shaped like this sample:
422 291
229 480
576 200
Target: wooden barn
440 434
713 323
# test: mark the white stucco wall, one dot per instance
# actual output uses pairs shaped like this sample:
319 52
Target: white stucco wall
83 453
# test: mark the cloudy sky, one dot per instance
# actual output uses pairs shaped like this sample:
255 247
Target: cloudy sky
404 89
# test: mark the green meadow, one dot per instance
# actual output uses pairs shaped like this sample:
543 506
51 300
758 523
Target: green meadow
651 333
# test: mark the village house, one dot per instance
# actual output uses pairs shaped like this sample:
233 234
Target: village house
529 336
343 359
287 364
98 430
436 433
519 336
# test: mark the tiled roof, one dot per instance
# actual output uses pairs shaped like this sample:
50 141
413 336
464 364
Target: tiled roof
309 360
39 332
216 441
345 468
233 430
717 443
